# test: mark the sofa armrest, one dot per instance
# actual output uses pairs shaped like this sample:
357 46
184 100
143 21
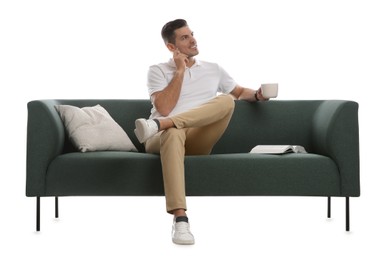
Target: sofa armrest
335 134
45 140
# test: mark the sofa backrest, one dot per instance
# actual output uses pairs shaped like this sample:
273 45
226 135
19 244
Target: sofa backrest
272 122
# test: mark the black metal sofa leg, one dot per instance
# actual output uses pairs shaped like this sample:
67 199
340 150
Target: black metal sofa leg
347 223
37 214
346 213
38 211
56 207
329 208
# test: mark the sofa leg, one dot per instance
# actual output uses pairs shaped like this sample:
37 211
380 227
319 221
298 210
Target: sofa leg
37 214
329 208
346 213
56 207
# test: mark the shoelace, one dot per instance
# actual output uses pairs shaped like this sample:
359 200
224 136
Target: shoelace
182 227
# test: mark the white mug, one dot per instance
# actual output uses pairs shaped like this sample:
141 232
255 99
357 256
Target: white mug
269 90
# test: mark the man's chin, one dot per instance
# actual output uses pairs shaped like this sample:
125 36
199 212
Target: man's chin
193 54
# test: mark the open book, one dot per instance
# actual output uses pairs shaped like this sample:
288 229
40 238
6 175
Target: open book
278 149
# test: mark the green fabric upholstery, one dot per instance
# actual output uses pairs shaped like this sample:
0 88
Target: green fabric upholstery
104 173
327 129
254 174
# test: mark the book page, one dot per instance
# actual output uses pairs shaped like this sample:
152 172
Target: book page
274 149
278 149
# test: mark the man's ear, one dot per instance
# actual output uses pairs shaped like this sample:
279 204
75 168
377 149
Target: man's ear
171 47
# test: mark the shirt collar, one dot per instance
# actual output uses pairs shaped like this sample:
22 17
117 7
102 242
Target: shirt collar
171 63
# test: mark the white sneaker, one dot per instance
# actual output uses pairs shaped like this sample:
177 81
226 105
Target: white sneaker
145 129
181 234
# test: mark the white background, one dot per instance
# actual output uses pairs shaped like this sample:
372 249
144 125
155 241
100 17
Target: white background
102 49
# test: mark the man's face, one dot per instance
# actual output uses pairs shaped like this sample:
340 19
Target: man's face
184 42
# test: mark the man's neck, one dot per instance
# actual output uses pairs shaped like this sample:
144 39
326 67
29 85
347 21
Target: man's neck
191 61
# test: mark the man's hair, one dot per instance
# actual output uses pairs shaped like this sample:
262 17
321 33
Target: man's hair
168 31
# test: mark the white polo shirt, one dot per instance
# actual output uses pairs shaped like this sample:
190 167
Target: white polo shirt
201 83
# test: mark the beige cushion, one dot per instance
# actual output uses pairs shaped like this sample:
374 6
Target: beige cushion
93 129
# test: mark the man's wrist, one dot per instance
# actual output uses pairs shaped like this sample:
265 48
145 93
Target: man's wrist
179 74
256 97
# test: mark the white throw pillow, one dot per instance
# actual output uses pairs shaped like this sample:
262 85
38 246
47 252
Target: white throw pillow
93 129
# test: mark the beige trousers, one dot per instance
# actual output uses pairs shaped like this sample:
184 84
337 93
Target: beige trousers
196 132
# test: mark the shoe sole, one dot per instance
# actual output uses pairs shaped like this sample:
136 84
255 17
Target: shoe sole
184 243
139 131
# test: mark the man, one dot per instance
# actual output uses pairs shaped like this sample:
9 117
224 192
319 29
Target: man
188 117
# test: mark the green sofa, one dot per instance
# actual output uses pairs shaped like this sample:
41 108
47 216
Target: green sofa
328 129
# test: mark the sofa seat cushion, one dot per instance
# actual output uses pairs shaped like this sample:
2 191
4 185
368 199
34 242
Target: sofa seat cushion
104 173
128 173
261 174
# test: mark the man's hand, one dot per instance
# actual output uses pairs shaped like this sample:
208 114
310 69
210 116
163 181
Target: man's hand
181 60
259 95
166 99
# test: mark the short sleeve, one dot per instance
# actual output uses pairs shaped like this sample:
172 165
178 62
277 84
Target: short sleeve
227 83
156 80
